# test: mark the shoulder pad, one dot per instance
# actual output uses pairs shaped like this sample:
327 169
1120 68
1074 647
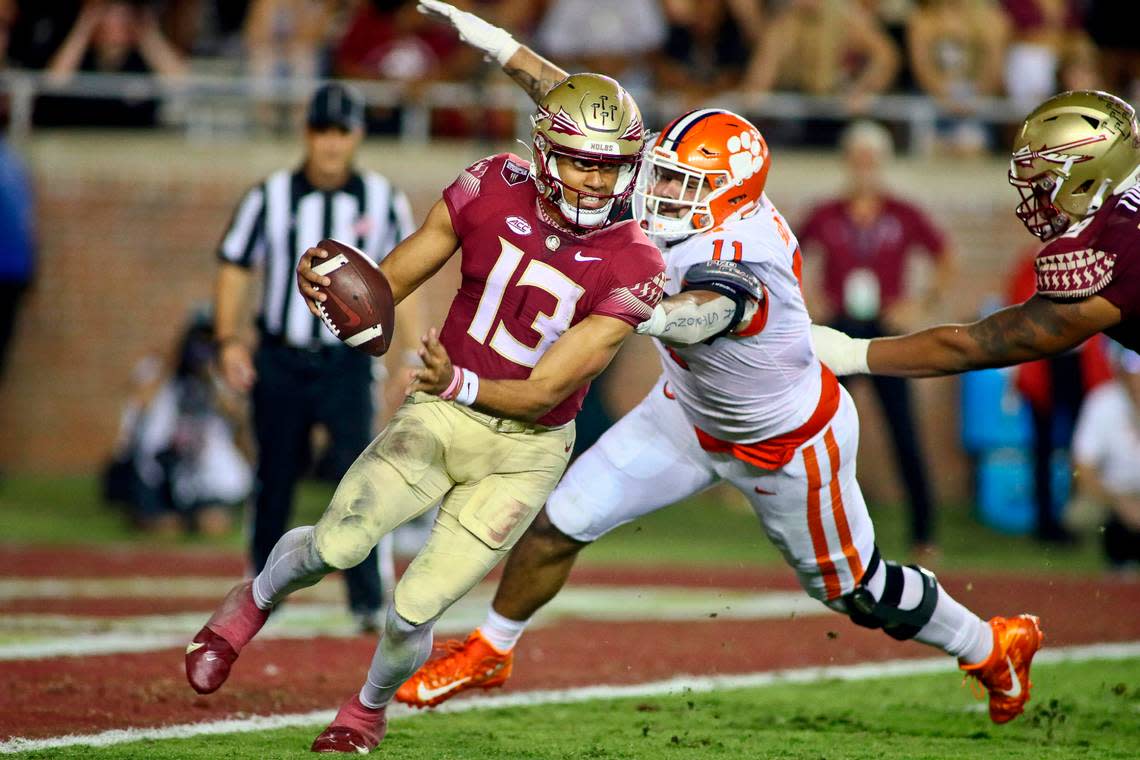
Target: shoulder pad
729 278
1074 274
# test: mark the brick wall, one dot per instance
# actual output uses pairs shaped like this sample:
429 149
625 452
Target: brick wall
129 224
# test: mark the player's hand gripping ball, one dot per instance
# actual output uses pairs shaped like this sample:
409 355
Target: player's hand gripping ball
359 308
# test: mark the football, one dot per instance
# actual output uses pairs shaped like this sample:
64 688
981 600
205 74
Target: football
359 309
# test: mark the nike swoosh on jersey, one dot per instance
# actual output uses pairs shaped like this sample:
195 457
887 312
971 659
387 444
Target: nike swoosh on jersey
426 694
1013 691
194 646
579 257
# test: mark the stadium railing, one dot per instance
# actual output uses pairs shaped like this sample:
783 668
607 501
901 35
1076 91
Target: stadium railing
203 103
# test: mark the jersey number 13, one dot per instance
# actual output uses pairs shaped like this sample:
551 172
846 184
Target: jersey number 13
549 326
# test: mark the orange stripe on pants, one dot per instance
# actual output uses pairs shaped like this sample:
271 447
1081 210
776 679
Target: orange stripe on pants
837 512
815 525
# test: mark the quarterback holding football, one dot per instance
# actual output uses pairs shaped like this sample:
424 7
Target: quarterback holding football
552 283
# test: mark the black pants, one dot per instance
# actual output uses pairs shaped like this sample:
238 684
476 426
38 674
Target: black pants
894 395
1053 429
11 294
295 390
1121 543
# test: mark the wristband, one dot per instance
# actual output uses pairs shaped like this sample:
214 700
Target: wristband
842 354
448 393
468 388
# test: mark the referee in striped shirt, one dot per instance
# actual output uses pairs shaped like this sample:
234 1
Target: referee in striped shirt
300 374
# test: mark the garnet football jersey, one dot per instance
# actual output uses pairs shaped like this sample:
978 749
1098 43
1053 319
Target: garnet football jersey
525 281
1099 255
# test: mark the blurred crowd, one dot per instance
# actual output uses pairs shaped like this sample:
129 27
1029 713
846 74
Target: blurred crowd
953 51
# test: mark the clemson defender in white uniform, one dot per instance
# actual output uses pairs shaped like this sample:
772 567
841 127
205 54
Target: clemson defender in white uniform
742 399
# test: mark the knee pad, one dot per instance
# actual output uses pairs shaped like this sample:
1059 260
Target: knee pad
343 543
344 535
863 609
419 603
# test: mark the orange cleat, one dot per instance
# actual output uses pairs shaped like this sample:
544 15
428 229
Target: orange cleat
1005 673
470 664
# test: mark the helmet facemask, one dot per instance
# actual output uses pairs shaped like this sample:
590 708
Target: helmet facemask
683 208
1037 210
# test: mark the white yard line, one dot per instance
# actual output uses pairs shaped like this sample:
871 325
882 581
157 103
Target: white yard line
677 685
36 636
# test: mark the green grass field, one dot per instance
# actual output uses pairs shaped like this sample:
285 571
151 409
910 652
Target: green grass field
1080 710
1086 710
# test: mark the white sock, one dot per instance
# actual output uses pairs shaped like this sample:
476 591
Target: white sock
293 564
952 627
957 631
502 633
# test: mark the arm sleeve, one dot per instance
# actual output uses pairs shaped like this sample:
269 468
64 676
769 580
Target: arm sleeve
635 290
244 241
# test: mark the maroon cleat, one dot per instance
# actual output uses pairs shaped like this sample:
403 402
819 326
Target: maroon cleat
356 729
213 651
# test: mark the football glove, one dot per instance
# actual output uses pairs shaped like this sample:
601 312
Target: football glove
497 44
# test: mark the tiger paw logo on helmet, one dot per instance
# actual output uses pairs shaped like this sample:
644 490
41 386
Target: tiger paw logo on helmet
746 154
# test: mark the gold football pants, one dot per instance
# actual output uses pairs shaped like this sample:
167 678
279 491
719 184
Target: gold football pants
492 474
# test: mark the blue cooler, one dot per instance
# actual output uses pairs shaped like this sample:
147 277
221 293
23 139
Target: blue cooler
994 415
1005 490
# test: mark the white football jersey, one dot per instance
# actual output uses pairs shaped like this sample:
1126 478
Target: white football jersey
745 390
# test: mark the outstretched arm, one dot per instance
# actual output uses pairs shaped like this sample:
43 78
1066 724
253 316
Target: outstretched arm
1032 330
531 71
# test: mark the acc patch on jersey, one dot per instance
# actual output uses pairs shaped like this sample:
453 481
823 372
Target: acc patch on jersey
1074 274
515 174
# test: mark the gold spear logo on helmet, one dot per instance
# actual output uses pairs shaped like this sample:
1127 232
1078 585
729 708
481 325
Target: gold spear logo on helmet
1025 156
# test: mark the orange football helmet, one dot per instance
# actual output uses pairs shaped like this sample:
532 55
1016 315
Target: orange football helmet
706 168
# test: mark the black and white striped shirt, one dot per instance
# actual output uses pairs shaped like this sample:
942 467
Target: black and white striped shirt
284 215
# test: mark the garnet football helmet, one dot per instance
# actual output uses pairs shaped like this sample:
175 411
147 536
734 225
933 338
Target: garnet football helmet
704 169
588 117
1072 152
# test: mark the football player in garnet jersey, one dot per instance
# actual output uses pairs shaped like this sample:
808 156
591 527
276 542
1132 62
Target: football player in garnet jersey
743 399
552 283
1075 162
